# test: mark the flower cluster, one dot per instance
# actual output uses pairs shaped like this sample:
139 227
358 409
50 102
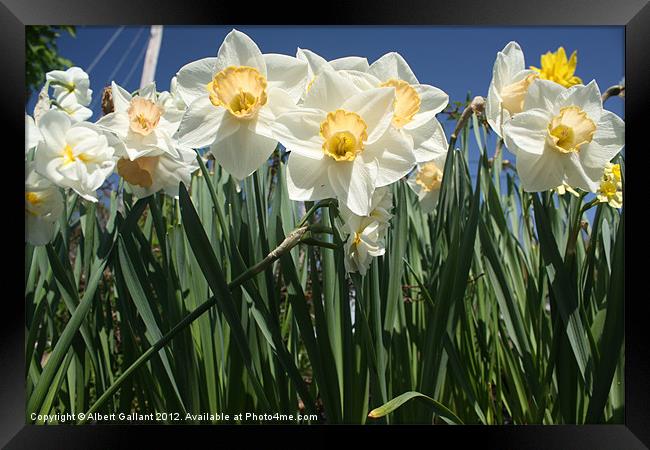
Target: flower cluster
351 129
611 185
556 127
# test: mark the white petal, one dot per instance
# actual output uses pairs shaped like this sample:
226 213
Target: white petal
429 201
37 230
53 125
361 80
375 106
242 152
192 79
287 73
542 94
429 140
350 63
392 66
238 49
315 62
58 75
607 142
200 124
527 131
307 177
329 91
580 176
508 63
114 122
585 97
353 183
121 98
148 91
493 110
394 156
279 102
32 135
540 172
299 131
514 57
433 100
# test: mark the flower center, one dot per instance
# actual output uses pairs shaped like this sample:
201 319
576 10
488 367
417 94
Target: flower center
513 95
138 172
144 115
570 129
407 102
70 157
356 239
239 89
429 177
344 133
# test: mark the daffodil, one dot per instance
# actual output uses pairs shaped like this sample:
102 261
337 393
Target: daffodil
142 123
43 207
317 64
342 143
556 67
32 135
149 174
563 136
415 106
77 156
611 186
72 85
366 234
234 99
508 88
426 181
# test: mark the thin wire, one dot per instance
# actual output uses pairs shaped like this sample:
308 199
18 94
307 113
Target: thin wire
104 49
135 66
126 54
119 65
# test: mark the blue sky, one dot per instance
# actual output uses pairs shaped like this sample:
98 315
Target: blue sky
455 59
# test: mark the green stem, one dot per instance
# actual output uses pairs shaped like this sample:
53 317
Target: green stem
320 204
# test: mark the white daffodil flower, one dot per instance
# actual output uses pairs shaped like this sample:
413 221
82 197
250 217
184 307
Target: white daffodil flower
366 234
563 136
416 106
77 156
32 135
150 174
317 64
70 85
43 207
142 123
234 99
342 143
426 181
510 82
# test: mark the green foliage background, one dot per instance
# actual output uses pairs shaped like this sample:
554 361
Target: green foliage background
42 54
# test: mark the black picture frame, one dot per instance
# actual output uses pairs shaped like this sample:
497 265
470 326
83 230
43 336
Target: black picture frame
634 15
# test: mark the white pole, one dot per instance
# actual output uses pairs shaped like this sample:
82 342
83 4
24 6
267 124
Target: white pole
151 58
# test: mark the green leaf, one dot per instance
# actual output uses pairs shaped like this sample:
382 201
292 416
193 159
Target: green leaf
445 413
